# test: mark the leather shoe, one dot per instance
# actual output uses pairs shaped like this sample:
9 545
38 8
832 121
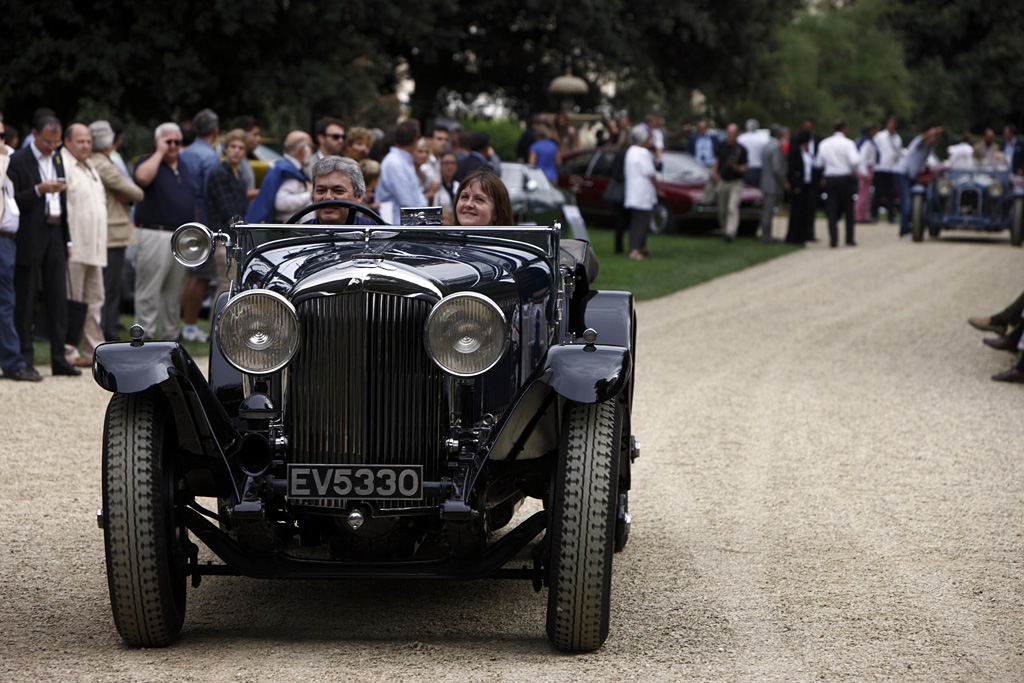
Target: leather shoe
1000 343
64 368
986 325
1012 375
25 374
81 362
851 243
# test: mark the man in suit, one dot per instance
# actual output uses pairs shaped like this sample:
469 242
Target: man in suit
13 365
773 180
1013 149
43 241
810 201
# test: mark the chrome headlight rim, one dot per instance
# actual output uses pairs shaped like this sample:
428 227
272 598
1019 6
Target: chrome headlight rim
447 301
943 187
995 190
240 299
183 233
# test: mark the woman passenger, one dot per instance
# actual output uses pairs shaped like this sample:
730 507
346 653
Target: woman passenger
482 200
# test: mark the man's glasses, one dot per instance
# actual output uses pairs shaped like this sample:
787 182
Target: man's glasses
172 142
337 137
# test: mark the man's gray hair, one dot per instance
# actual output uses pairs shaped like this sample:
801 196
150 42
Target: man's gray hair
348 166
169 127
639 135
206 123
752 125
102 135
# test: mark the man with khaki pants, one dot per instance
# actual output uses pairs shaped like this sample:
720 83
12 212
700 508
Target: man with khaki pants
87 223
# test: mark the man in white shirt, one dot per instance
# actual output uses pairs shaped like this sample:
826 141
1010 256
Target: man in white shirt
13 365
839 158
865 172
641 191
87 222
754 143
961 155
890 149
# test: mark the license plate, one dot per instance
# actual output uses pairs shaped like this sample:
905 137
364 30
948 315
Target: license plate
355 482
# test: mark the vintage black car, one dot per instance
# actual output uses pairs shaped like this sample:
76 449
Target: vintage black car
968 197
380 400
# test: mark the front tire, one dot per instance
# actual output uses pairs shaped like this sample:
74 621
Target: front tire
144 539
582 528
917 218
1017 225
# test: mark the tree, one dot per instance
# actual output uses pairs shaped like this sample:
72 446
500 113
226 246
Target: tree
966 60
836 62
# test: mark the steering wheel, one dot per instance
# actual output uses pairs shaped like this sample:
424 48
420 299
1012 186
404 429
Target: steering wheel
340 203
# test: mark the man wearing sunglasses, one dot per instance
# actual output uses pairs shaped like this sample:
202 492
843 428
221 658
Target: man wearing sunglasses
171 199
330 137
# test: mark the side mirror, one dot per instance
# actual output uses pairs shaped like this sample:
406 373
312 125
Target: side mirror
531 185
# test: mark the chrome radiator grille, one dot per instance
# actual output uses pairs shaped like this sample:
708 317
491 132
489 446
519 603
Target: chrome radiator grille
362 389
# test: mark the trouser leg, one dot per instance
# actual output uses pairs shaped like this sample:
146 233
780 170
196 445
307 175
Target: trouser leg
729 194
86 284
26 288
170 298
832 208
10 346
112 275
1011 315
848 209
150 270
767 214
639 221
903 187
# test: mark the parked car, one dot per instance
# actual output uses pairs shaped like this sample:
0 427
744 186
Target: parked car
681 184
379 402
535 200
970 197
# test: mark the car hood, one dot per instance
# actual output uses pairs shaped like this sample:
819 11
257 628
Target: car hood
438 268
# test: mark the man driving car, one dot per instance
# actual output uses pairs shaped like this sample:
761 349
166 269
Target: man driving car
338 178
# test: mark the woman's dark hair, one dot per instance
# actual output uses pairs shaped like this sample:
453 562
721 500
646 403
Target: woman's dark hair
492 186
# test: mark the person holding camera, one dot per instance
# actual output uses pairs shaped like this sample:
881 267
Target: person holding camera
43 241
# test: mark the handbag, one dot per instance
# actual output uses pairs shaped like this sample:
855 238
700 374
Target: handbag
614 192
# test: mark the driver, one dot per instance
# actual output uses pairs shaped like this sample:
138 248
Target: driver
338 178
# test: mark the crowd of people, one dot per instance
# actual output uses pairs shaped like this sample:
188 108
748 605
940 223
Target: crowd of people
860 179
73 207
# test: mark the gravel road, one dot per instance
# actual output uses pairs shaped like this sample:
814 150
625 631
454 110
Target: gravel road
830 488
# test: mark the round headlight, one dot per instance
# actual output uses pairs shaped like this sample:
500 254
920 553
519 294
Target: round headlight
995 190
258 332
943 188
465 334
192 244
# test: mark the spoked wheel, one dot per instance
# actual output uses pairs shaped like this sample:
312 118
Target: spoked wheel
146 542
583 528
917 218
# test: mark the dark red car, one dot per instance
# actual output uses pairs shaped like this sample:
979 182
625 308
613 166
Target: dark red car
681 184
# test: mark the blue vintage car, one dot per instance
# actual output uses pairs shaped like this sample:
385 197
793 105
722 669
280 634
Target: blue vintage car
974 197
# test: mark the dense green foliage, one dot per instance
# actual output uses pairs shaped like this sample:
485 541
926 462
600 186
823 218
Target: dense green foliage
289 62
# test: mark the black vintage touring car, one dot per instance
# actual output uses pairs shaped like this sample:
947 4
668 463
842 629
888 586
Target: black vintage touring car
380 400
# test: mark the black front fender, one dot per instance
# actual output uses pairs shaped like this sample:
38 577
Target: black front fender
587 373
130 367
